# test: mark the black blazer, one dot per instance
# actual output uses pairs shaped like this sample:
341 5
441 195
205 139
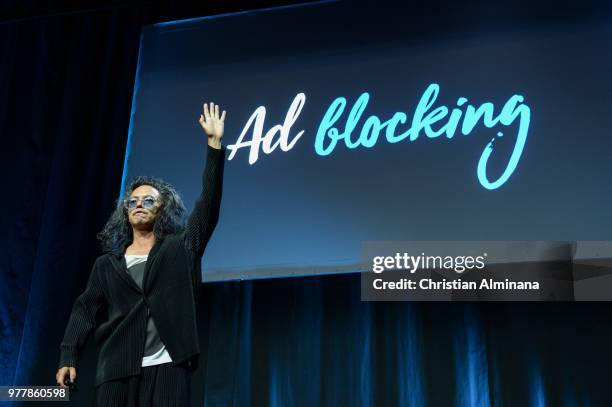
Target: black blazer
170 289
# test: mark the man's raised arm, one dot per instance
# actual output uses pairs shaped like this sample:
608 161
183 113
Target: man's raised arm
205 215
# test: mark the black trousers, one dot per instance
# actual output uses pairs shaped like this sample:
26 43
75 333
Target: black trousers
164 385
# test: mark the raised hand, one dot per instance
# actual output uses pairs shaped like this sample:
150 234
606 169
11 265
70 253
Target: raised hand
213 124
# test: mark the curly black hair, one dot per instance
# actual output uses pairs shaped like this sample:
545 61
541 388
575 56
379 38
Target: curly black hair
117 233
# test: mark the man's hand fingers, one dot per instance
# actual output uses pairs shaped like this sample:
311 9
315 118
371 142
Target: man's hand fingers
206 112
72 374
59 377
211 121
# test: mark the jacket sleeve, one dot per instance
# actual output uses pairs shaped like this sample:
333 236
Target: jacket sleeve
82 319
203 219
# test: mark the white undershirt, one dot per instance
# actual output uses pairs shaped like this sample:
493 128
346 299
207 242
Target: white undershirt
162 355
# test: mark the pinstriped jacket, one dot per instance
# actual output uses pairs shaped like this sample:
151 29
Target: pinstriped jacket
169 293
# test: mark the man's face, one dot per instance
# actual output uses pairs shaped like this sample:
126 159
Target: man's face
140 216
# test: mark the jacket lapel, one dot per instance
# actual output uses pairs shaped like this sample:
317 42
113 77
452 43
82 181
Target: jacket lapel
150 260
120 266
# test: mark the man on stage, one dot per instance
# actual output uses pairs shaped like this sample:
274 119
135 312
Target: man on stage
148 280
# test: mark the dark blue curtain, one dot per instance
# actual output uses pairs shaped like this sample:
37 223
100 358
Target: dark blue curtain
66 79
311 341
65 97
